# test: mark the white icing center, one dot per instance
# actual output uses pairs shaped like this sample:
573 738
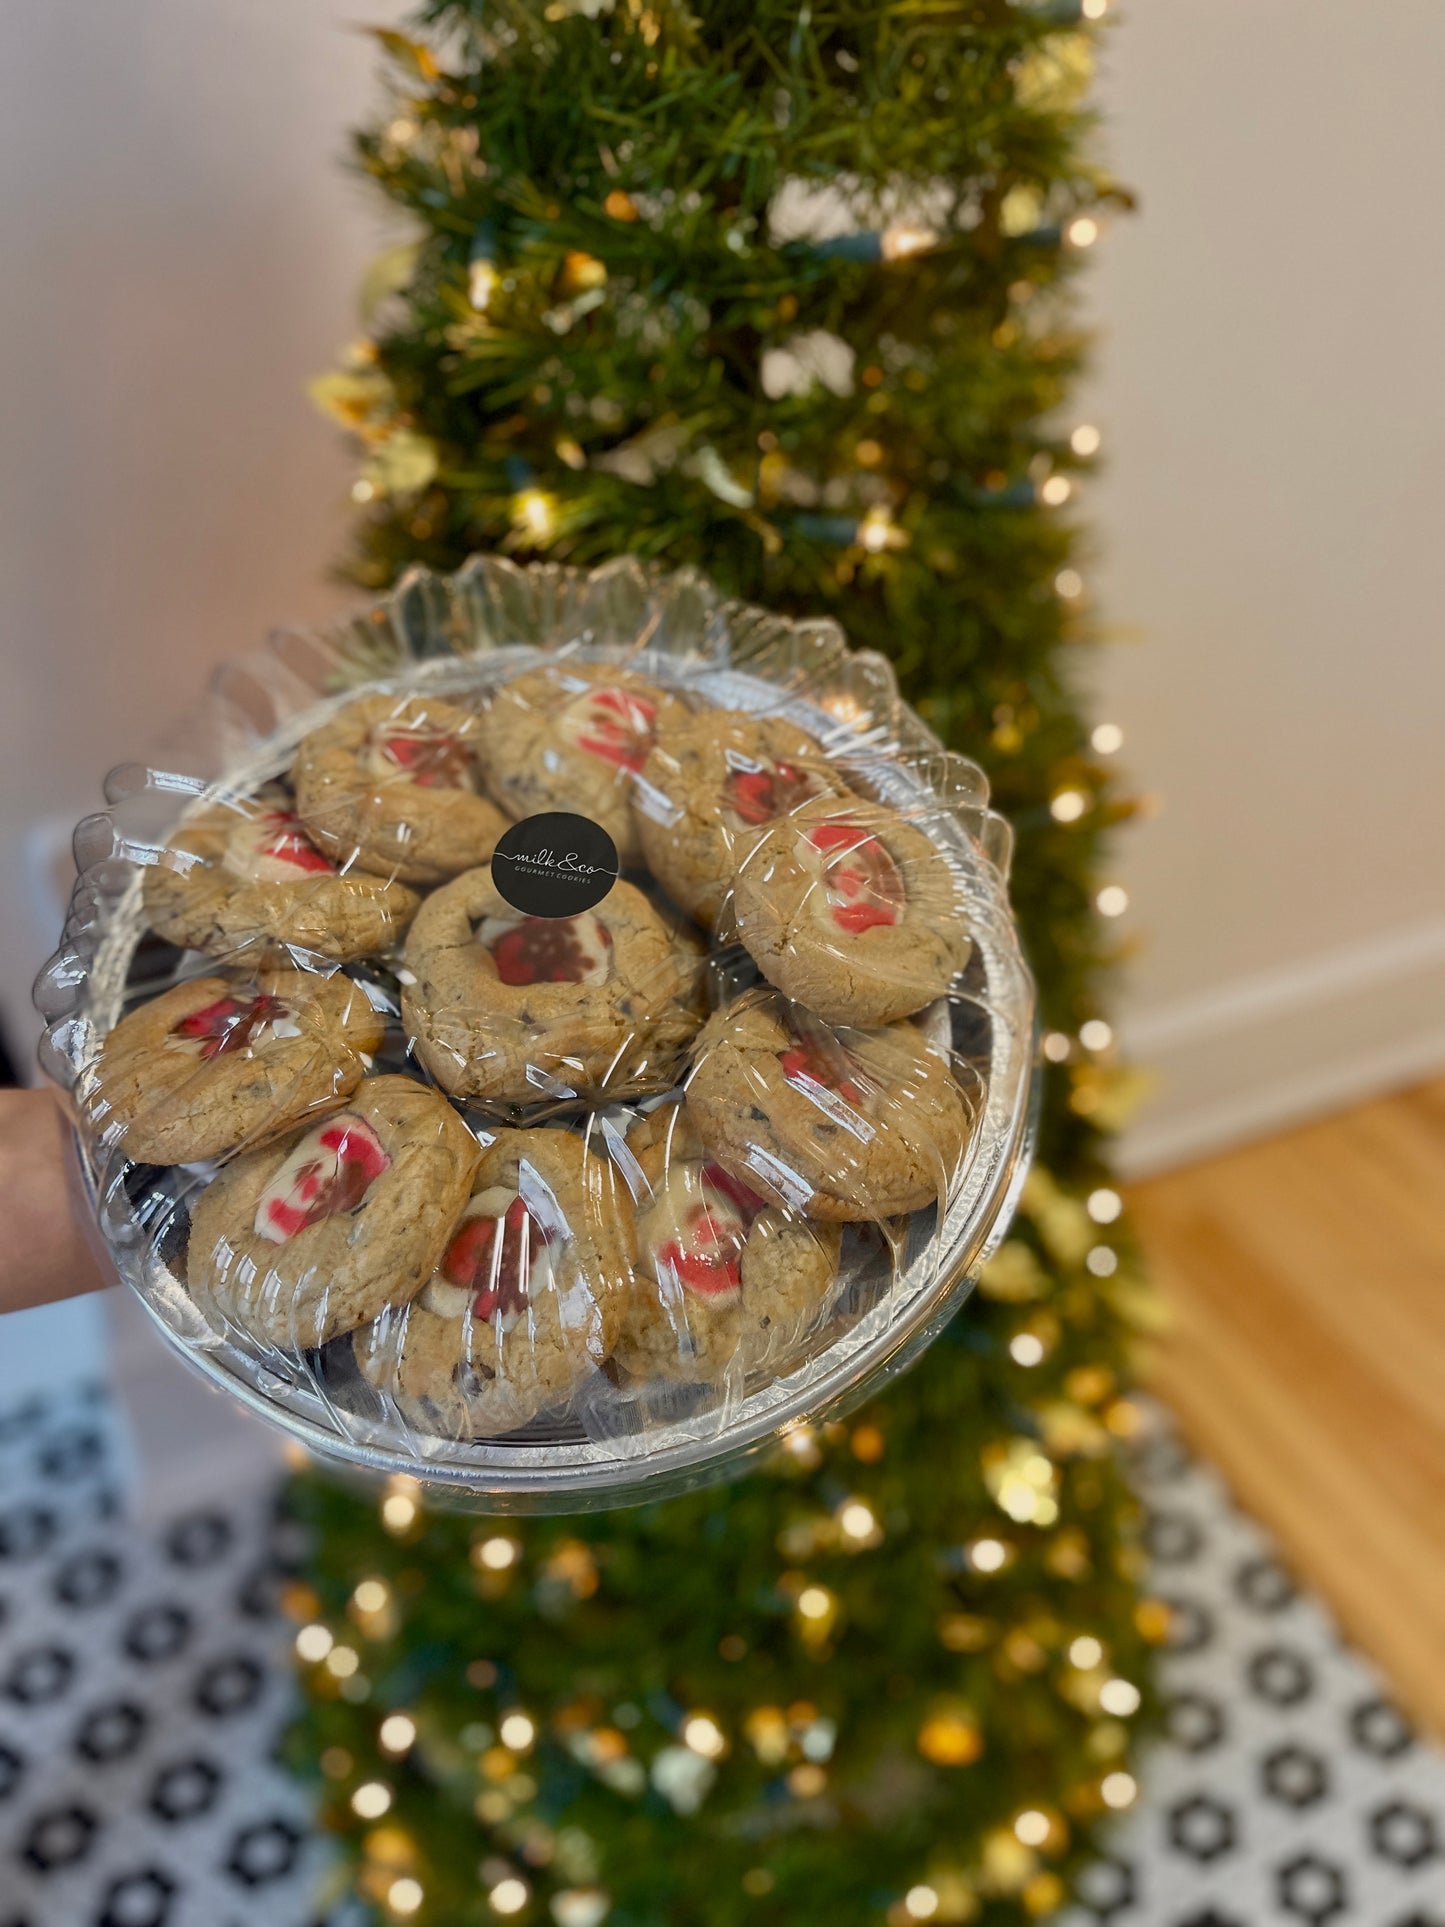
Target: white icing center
272 848
691 1234
417 753
326 1175
506 1265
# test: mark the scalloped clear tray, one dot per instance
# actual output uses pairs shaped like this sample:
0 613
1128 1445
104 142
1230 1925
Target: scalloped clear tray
685 1289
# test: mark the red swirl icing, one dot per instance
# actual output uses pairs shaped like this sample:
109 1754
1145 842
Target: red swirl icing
807 1066
230 1023
549 950
771 789
707 1257
433 759
350 1158
615 724
283 839
493 1258
864 887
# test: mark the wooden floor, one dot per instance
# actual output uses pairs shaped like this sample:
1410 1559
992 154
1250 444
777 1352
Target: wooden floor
1306 1281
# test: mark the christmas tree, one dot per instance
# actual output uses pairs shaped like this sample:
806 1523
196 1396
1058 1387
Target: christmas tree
782 291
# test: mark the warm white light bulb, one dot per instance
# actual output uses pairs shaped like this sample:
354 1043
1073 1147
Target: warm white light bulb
901 241
497 1554
481 284
397 1732
1104 1205
857 1520
703 1735
313 1643
517 1732
1119 1697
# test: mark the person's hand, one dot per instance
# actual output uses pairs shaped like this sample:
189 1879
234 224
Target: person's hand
44 1249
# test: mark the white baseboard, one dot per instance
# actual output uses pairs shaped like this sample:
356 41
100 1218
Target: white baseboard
1283 1046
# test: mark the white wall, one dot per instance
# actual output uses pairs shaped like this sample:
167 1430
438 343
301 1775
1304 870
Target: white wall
181 248
1272 391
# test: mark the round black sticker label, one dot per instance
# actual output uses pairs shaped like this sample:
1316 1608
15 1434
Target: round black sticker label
555 864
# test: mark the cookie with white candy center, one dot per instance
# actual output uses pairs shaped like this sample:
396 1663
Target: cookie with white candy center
226 1060
243 873
310 1237
390 785
725 1280
526 1299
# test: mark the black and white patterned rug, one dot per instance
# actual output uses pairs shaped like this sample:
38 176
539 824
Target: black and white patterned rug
144 1678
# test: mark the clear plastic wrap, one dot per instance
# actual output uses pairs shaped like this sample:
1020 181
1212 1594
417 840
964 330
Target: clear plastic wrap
559 1031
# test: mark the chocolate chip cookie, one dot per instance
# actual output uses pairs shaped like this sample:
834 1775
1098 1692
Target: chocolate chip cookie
852 911
227 1060
390 786
245 873
573 737
710 786
725 1281
836 1122
312 1236
507 1009
526 1298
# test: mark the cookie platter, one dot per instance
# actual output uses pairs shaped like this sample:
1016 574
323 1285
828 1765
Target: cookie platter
553 1034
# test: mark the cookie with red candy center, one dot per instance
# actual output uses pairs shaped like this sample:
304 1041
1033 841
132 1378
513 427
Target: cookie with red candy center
713 783
222 1061
240 876
513 1011
391 786
853 911
305 1239
574 736
726 1284
548 950
525 1302
843 1123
